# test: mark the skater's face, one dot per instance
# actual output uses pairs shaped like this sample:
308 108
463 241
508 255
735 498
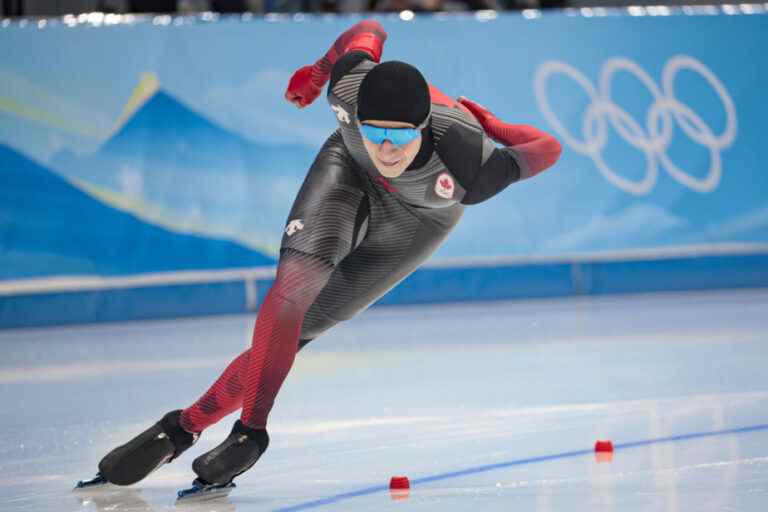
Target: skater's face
392 160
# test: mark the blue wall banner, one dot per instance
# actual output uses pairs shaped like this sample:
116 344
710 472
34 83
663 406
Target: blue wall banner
142 145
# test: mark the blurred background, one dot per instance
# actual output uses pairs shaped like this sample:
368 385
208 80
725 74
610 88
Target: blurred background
55 8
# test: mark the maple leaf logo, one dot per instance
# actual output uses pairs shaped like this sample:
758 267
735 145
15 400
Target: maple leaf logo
444 186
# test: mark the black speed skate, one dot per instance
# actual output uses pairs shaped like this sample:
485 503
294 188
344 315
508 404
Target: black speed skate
131 462
235 455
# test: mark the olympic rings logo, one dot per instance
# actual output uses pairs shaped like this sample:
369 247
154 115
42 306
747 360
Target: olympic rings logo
654 138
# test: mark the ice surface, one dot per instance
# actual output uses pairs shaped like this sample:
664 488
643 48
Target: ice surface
423 392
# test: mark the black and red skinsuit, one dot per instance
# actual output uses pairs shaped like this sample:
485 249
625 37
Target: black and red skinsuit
352 234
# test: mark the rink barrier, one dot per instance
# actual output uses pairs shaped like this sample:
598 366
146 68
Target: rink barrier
62 301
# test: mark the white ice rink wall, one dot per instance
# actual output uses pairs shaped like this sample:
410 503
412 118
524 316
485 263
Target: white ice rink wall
147 164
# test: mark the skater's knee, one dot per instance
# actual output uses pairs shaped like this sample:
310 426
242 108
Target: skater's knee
301 276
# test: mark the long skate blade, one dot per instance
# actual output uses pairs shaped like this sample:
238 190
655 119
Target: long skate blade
97 481
201 492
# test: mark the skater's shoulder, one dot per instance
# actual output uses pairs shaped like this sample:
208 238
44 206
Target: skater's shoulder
350 65
459 141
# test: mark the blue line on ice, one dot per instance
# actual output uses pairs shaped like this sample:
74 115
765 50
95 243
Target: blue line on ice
490 467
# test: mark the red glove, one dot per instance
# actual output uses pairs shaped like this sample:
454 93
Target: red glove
301 89
539 149
307 83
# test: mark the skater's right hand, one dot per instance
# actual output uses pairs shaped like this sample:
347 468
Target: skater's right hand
482 114
302 90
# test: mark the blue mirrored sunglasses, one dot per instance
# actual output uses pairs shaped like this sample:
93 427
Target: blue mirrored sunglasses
397 136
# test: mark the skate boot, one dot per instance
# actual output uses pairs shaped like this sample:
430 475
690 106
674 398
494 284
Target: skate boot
161 443
235 455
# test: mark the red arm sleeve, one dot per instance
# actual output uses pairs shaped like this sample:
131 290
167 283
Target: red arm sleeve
367 36
539 149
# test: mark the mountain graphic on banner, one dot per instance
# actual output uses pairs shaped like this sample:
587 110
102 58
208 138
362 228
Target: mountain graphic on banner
168 157
148 86
49 227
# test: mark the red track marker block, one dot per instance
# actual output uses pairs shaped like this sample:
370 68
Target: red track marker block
398 483
604 446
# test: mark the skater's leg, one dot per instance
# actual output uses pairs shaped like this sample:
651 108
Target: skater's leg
300 277
276 336
329 208
222 398
323 225
226 394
